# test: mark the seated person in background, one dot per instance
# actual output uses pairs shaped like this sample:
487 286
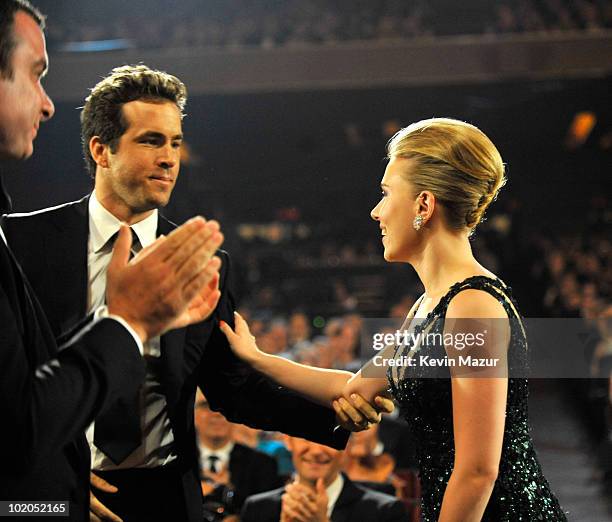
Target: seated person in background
245 435
230 471
271 443
397 439
366 462
320 493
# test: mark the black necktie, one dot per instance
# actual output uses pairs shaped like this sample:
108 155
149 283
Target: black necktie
212 463
117 430
134 249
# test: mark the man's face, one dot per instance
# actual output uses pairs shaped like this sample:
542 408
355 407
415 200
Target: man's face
210 425
23 101
140 175
313 461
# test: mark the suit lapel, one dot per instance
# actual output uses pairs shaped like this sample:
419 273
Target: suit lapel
11 279
171 345
67 260
38 339
31 320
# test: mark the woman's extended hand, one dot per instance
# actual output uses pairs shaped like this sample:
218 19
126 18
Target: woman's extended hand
242 342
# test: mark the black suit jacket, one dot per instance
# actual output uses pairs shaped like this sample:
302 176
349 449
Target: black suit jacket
51 245
48 395
355 504
251 472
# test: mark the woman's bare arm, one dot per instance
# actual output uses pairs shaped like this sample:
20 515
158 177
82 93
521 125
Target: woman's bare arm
318 384
479 407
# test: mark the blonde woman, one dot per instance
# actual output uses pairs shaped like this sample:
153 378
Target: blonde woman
476 457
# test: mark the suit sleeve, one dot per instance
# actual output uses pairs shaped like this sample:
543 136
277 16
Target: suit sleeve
72 332
263 507
248 513
268 475
246 396
46 404
253 473
393 511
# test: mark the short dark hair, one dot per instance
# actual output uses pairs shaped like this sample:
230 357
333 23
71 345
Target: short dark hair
8 8
102 113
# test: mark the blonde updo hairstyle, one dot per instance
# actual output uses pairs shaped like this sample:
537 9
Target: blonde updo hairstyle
456 162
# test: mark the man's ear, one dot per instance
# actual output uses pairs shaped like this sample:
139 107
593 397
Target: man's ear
99 151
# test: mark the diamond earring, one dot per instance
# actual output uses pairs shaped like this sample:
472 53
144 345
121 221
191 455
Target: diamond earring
418 222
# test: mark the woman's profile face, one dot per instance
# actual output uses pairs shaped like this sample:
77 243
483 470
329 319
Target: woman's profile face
396 210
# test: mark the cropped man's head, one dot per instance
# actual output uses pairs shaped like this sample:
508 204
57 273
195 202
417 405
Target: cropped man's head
23 63
8 39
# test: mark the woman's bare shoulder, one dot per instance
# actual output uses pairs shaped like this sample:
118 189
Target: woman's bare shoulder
475 303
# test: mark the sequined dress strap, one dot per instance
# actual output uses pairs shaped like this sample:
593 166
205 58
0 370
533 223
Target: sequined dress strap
494 286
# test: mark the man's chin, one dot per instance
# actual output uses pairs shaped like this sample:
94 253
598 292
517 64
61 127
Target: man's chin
18 154
157 201
311 478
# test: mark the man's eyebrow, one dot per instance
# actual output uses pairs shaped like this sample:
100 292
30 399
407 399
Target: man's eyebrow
155 134
384 185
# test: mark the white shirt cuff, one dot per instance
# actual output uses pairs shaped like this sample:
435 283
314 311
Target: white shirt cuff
102 313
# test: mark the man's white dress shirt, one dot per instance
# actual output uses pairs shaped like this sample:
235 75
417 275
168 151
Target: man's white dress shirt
157 443
223 456
333 492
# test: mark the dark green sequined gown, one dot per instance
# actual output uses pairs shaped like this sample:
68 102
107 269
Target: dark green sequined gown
521 493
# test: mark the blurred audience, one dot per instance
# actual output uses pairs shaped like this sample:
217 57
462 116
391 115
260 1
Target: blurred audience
320 493
366 462
565 274
554 274
230 471
550 16
292 23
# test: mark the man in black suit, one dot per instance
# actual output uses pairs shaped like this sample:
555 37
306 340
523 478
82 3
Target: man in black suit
320 493
132 133
227 466
48 395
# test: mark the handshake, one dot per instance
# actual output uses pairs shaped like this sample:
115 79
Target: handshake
170 284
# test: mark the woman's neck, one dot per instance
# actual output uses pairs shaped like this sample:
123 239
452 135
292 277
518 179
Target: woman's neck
445 259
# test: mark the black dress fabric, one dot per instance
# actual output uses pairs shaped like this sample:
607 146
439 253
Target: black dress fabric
521 492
